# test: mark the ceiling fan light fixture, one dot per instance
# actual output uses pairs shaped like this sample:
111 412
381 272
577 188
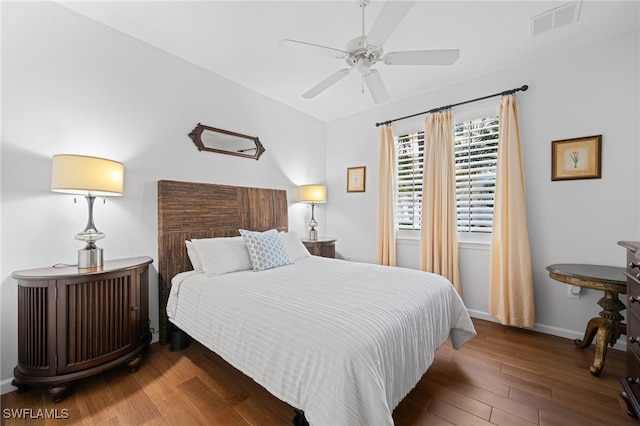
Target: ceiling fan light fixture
363 65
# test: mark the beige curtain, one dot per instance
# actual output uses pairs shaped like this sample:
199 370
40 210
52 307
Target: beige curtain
439 230
510 282
386 233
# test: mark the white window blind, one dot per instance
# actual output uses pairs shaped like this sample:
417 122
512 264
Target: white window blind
410 158
476 154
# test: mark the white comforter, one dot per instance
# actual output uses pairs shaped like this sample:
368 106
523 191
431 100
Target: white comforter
343 341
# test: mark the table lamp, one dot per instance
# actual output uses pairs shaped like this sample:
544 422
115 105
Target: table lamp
91 177
313 194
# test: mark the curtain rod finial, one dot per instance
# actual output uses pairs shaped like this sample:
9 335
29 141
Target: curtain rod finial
524 88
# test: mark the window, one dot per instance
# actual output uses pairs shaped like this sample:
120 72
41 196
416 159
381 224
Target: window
476 155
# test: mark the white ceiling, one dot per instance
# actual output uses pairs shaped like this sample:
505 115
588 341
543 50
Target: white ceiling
239 40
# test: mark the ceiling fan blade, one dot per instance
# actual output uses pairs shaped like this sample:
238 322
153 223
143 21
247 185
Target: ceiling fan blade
326 83
392 13
422 57
304 47
376 86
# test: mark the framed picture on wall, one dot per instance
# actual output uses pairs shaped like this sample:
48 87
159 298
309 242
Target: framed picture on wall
356 179
576 158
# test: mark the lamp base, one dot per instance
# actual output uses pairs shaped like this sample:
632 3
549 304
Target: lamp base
89 258
313 235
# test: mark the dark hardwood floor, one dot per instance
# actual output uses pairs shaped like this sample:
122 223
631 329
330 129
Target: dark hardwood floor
504 376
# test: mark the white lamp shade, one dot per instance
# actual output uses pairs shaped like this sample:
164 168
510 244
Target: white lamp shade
313 194
82 175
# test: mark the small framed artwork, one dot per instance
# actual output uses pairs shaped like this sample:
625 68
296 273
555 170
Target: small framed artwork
356 179
576 158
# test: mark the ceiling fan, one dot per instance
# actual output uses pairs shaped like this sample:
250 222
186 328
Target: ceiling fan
365 51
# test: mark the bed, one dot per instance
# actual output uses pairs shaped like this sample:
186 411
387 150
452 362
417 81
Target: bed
344 342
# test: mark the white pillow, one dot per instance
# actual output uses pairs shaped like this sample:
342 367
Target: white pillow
193 256
292 243
222 255
266 250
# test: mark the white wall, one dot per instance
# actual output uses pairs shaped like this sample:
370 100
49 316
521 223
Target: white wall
587 91
71 85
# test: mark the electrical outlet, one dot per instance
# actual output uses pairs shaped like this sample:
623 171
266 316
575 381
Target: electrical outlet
575 291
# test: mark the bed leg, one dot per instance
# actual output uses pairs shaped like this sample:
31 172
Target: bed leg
179 340
299 419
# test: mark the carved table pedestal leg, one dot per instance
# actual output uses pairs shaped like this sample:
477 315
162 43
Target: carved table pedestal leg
606 329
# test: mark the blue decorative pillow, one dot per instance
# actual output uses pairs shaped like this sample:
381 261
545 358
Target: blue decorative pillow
266 250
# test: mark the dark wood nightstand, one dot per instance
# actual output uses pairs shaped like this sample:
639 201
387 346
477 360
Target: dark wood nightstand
74 323
323 246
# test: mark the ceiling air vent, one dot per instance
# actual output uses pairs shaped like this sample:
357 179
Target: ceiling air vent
555 18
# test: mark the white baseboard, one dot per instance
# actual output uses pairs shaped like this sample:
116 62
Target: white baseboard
620 345
6 386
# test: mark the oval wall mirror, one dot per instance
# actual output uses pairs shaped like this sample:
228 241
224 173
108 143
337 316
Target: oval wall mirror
221 141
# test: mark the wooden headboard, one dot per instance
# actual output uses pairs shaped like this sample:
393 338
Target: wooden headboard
189 210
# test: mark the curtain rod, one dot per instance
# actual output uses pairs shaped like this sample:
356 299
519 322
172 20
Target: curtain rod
443 108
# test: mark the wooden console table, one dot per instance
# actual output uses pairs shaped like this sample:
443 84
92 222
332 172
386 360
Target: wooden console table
608 326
